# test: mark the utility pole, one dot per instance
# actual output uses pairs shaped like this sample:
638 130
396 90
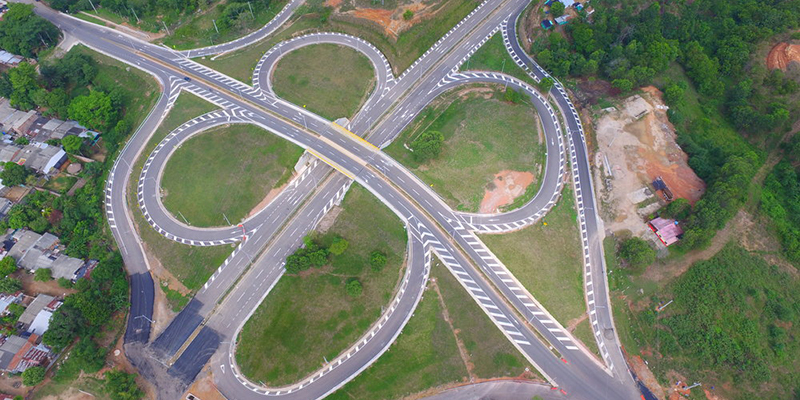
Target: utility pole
137 17
93 7
251 10
215 25
165 27
659 308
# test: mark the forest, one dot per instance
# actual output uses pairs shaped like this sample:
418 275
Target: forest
633 44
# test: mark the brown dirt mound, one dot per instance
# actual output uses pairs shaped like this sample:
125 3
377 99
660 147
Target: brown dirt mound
782 55
506 186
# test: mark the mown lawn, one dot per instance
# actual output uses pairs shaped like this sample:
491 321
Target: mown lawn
547 259
493 56
332 81
483 136
192 265
225 172
309 316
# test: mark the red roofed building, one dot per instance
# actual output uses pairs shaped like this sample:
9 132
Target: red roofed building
667 230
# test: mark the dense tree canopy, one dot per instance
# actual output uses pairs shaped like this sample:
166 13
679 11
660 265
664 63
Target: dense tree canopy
25 33
14 174
428 145
637 253
94 110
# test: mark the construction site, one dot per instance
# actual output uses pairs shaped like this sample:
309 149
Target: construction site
640 167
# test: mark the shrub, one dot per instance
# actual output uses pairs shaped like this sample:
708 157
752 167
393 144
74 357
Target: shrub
43 275
33 376
408 15
428 145
354 288
7 266
377 260
637 253
338 246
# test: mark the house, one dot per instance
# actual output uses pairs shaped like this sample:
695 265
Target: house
43 158
562 19
18 353
547 24
667 230
29 315
6 57
9 299
33 251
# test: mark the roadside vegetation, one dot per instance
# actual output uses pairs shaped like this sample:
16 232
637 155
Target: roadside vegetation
334 290
26 34
547 259
427 355
330 80
458 144
225 172
191 265
94 312
315 16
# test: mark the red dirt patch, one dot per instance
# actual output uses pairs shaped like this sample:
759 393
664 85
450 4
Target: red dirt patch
782 55
506 186
333 3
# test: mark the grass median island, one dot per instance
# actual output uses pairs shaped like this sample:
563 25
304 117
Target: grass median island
483 135
547 259
426 353
192 265
225 172
493 56
330 80
313 315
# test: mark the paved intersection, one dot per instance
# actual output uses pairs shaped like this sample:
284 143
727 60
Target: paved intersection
432 226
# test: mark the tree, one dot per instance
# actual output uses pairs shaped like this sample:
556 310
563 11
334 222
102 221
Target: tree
338 246
354 288
33 376
94 110
377 260
408 15
23 80
546 84
428 145
557 9
624 85
10 285
637 253
7 266
65 324
678 209
89 356
122 386
22 141
14 174
72 144
25 33
43 275
65 283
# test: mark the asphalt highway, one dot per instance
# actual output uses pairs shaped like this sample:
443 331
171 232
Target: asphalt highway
431 225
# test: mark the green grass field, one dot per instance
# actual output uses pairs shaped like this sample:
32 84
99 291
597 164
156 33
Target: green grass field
190 264
332 81
546 259
483 136
493 56
425 355
225 172
309 316
60 183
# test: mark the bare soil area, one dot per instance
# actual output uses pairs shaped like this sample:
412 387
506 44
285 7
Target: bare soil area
506 186
636 144
204 388
782 55
391 20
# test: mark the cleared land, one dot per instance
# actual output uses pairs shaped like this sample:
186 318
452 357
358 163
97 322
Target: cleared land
332 81
191 265
547 259
401 49
484 136
493 56
315 303
225 172
427 355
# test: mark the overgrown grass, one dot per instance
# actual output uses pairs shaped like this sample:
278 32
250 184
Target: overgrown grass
225 172
309 317
731 325
547 259
401 52
175 299
332 81
493 56
197 28
86 17
192 265
483 136
60 183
